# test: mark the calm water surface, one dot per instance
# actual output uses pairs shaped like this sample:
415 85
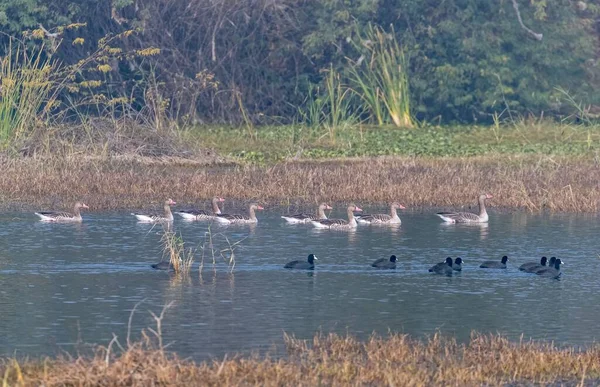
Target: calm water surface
61 284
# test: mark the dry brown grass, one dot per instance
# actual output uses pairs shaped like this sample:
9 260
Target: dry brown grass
531 182
395 360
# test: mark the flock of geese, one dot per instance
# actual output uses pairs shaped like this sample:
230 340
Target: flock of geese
320 220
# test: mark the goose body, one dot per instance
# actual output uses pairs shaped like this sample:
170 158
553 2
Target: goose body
154 218
444 268
58 216
240 219
551 272
307 218
340 224
391 218
532 267
495 264
384 263
468 217
309 264
194 214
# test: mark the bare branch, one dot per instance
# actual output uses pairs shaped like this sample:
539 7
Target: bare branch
535 35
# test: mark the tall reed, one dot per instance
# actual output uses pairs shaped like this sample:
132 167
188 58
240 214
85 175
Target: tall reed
380 77
25 86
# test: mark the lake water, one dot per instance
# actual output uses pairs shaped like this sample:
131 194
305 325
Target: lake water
61 284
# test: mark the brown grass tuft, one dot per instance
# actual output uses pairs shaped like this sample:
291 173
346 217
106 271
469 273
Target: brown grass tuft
395 360
531 182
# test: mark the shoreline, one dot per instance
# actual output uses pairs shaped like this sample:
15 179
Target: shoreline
393 359
519 183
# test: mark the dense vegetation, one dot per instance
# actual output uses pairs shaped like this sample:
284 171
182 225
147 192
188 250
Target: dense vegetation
282 61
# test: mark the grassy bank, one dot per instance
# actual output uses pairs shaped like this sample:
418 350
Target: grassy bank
395 360
534 182
276 144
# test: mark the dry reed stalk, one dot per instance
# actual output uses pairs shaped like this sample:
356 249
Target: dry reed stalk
326 360
534 183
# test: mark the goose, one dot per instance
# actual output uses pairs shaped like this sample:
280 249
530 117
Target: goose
551 272
532 267
57 216
457 266
154 218
202 214
468 217
339 223
309 264
391 218
495 264
306 218
442 267
383 263
237 218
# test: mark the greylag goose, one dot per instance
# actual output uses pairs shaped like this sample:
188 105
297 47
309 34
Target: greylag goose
202 214
383 263
468 217
306 218
551 272
153 218
391 218
237 218
457 266
339 223
57 216
531 267
442 267
495 264
309 264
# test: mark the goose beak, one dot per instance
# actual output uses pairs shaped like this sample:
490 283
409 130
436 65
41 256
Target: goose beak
221 200
401 207
260 208
356 208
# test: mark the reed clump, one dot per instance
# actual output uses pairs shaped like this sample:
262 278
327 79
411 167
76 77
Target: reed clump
325 360
534 183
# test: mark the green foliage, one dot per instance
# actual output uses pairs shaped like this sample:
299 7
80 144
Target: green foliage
278 143
466 59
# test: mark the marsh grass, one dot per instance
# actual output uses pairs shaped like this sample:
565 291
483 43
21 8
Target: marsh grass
393 360
534 183
380 77
180 257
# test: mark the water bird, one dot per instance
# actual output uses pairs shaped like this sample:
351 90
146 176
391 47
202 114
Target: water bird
154 218
391 218
240 219
163 265
457 266
468 217
309 264
442 267
194 214
551 272
58 216
531 267
339 223
306 218
384 263
495 264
